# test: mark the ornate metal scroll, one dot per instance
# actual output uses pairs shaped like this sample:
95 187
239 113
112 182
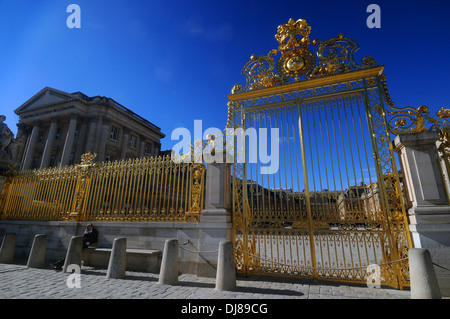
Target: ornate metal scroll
410 120
197 192
297 62
296 59
259 73
337 56
84 174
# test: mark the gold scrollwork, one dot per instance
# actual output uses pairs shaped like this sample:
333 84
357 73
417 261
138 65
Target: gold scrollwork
409 120
297 62
296 59
84 172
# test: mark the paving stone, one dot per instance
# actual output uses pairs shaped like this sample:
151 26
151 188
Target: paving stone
18 282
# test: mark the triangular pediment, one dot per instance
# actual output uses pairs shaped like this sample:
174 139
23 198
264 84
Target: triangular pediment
47 96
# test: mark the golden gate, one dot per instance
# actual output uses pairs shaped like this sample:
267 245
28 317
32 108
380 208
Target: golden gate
335 205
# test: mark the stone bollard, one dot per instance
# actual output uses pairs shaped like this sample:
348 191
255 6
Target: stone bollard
424 284
169 265
226 273
73 255
7 249
118 259
36 258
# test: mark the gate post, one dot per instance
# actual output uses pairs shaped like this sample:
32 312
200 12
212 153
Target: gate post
215 220
429 215
82 186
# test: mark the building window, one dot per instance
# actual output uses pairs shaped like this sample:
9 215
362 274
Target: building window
133 141
114 135
148 148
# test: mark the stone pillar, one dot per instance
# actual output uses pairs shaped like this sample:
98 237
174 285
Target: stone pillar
21 143
104 136
74 253
31 145
429 216
69 141
80 139
49 143
141 146
90 144
118 259
424 284
36 258
7 249
169 265
215 220
125 139
226 272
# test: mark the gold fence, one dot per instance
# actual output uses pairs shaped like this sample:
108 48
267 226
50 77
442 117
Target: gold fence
146 189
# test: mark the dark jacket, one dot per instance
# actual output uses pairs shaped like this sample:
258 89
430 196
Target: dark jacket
90 238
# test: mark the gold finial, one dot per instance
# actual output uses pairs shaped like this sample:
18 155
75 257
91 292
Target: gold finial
88 158
443 113
290 30
296 59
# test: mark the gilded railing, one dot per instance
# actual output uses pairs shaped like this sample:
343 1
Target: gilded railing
146 189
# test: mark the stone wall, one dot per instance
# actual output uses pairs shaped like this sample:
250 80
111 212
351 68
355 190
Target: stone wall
192 237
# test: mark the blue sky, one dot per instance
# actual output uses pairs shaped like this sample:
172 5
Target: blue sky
173 62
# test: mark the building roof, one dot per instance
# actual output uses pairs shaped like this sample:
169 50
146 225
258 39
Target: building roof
51 97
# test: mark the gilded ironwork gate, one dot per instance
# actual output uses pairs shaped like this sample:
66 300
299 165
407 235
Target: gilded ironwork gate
316 189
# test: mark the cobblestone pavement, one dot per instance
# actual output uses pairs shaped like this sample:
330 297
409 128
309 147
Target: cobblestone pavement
18 281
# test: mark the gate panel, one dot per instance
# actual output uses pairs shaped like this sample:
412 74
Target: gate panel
347 219
321 212
331 205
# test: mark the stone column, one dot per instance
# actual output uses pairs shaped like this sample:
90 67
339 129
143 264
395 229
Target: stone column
103 139
125 139
98 133
49 143
31 145
69 140
91 136
429 216
141 146
80 139
21 143
215 220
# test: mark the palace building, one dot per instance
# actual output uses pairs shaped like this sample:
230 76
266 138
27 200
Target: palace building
55 128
